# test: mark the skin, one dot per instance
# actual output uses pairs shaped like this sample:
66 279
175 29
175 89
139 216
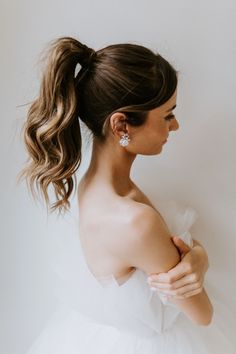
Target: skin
108 178
187 278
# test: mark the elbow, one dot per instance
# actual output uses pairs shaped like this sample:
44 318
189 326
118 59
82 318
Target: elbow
205 323
207 319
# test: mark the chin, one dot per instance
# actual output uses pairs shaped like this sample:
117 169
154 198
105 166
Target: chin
155 151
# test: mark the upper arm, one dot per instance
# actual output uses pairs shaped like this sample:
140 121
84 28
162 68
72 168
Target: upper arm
150 247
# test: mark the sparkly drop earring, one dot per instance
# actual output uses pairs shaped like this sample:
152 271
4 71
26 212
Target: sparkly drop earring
124 141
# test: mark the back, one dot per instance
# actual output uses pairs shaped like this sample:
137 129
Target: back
104 227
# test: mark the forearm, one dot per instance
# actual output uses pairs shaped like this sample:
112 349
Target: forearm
197 308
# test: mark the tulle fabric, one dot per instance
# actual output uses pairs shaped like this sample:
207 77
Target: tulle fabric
102 315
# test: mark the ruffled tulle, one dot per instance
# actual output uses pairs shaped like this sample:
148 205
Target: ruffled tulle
105 316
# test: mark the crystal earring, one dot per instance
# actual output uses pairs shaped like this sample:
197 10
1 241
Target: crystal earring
124 141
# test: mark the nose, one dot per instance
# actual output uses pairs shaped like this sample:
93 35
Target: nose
174 124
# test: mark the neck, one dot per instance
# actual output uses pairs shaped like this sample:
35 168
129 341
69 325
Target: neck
111 164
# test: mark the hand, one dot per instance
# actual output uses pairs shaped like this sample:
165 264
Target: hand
187 277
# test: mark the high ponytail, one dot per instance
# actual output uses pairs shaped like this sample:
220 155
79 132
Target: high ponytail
52 130
123 77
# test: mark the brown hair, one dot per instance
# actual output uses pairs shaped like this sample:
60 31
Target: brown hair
127 78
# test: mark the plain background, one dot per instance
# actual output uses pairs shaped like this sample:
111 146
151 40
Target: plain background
196 167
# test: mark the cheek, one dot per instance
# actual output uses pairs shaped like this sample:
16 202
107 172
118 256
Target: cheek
151 134
157 133
163 132
151 141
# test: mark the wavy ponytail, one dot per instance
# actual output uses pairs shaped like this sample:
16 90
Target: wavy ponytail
123 77
52 130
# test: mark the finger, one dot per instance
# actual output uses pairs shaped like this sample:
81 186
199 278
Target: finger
186 295
180 270
174 274
165 278
181 291
182 246
186 280
169 277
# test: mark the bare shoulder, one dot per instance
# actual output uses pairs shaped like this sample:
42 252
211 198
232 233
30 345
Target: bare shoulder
141 220
146 241
129 232
144 219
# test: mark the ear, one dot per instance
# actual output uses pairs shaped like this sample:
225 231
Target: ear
118 124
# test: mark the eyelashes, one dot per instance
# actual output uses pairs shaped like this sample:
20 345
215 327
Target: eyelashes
169 117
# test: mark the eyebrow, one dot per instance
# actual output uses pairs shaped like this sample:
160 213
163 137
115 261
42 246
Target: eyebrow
171 108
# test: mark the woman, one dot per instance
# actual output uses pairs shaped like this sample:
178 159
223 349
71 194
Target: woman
125 94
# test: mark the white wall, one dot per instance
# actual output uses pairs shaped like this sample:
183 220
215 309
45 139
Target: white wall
197 166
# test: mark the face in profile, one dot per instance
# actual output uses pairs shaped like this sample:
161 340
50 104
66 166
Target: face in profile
149 138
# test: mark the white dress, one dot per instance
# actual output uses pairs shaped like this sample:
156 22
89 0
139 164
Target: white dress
102 316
